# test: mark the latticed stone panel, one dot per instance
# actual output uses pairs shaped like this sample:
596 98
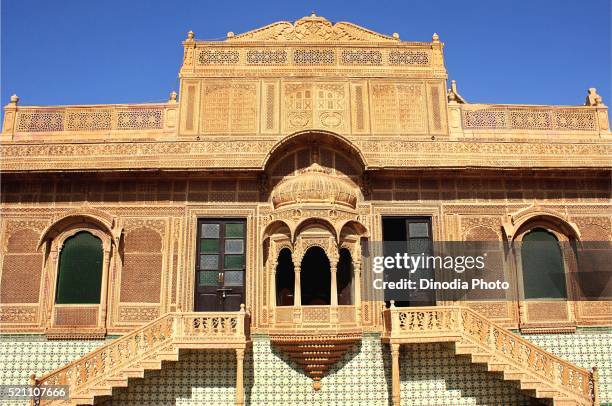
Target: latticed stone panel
142 269
21 267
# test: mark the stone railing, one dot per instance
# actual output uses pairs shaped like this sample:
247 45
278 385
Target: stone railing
182 330
453 323
323 316
23 122
527 118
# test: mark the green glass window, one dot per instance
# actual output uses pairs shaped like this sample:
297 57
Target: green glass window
543 269
80 270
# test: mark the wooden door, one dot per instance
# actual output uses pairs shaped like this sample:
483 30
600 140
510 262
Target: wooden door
220 265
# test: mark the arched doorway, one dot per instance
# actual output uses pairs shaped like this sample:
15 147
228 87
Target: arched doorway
345 278
315 278
285 279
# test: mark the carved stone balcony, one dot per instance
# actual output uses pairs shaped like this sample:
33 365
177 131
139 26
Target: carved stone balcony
539 373
95 374
311 319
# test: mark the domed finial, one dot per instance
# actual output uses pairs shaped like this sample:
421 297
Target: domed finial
173 97
14 99
230 34
396 35
435 37
313 13
190 36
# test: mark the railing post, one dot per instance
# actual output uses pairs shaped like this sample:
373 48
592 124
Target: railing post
333 317
395 375
240 376
595 379
241 319
395 326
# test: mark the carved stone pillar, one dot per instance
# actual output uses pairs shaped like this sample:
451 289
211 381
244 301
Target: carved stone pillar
334 285
272 294
334 293
357 287
104 287
297 295
395 375
297 288
240 376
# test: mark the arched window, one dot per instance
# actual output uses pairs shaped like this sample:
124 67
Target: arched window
285 279
344 277
79 278
543 269
315 278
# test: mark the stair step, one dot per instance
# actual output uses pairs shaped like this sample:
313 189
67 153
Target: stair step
496 367
152 364
481 358
513 376
168 356
133 372
118 381
101 391
547 394
82 400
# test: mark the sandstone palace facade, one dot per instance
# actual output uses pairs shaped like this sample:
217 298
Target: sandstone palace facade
210 249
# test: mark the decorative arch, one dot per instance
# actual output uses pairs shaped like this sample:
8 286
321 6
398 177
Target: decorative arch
311 222
516 223
97 218
314 136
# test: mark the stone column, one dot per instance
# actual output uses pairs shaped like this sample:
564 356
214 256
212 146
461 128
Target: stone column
395 374
334 285
297 295
334 293
272 294
240 376
357 287
104 287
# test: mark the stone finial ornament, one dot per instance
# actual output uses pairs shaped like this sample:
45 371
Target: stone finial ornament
396 35
593 99
14 99
190 36
173 97
435 37
453 94
230 34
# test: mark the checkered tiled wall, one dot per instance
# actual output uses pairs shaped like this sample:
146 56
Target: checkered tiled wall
431 375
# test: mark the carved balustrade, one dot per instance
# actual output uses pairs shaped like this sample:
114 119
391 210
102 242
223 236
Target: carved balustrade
85 122
454 323
577 120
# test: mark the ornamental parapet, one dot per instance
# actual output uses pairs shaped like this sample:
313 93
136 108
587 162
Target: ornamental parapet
530 120
88 122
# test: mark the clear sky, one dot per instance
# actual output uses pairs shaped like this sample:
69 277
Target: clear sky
121 51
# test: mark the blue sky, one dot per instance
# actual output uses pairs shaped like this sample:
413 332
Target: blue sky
121 51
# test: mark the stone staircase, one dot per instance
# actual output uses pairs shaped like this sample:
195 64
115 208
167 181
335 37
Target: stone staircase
540 374
93 376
